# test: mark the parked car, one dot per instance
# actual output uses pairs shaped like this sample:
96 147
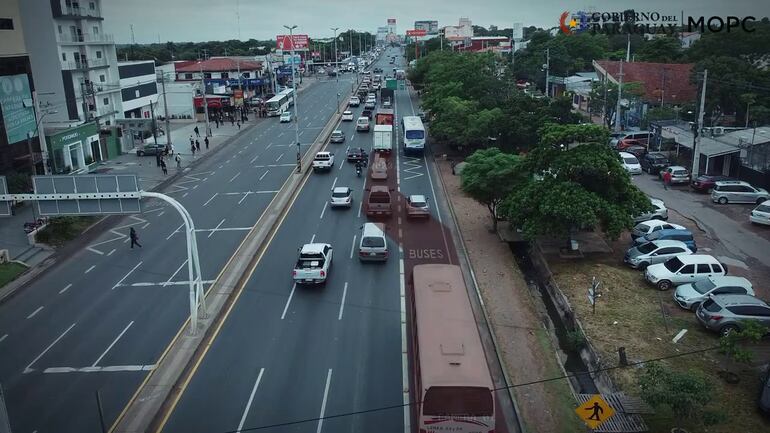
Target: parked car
761 214
669 234
630 163
641 136
337 136
362 124
737 192
706 182
650 253
690 296
354 101
347 116
679 174
683 269
726 313
151 149
651 226
625 143
659 212
341 196
654 162
417 207
637 151
285 117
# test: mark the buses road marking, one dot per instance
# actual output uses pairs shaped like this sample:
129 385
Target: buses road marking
28 368
251 399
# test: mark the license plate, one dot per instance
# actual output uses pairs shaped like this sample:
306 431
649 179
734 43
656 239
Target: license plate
309 280
372 254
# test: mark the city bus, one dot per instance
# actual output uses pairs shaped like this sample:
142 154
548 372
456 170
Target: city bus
414 135
280 102
452 381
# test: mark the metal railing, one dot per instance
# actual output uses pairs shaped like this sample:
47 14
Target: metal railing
82 11
85 38
84 64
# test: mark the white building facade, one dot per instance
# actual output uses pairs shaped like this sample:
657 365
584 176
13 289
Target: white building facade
138 89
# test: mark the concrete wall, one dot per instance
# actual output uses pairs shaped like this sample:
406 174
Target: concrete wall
13 40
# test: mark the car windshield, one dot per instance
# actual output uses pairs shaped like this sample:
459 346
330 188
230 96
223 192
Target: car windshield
763 208
703 286
644 228
417 203
646 248
630 161
340 194
673 264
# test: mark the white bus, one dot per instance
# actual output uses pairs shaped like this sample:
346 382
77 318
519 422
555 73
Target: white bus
280 102
414 134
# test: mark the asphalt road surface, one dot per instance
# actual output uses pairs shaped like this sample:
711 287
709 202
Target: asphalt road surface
99 320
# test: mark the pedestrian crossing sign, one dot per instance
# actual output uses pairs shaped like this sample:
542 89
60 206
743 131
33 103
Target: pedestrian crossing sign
595 411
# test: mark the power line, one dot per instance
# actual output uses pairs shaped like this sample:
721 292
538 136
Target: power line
504 388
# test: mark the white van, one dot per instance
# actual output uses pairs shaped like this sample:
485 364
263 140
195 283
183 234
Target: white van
373 245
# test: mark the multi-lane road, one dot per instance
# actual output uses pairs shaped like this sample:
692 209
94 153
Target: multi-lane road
286 358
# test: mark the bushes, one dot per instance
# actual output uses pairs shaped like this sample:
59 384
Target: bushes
62 229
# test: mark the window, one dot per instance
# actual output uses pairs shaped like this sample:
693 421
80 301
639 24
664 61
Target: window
188 76
59 28
225 75
96 30
106 101
704 269
717 268
92 6
98 54
669 250
102 78
64 57
688 269
207 75
246 74
6 24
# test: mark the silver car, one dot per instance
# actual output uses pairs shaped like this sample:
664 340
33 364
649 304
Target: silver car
651 226
737 192
679 174
644 255
342 196
725 313
689 296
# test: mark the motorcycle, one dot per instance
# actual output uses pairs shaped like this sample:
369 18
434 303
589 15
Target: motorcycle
358 170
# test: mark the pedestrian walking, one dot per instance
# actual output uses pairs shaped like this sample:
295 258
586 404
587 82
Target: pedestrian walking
232 121
206 140
192 150
172 149
178 160
666 179
197 145
157 159
197 132
239 125
134 238
192 140
163 167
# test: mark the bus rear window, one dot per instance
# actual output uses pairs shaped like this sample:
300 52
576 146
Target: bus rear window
458 401
415 135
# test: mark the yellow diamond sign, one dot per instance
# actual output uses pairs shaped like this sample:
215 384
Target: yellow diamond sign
595 411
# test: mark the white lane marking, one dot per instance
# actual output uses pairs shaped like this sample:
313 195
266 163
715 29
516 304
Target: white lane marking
253 159
323 403
251 399
28 368
342 164
335 183
184 195
161 214
236 175
268 146
67 287
353 246
126 276
288 301
312 239
249 192
90 269
110 253
94 250
263 176
326 203
175 231
212 198
145 226
163 284
279 157
244 197
276 165
32 314
112 344
342 304
174 274
106 369
3 338
438 211
360 205
220 225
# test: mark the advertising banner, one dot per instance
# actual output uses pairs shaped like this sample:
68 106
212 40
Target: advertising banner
18 111
416 32
284 42
391 21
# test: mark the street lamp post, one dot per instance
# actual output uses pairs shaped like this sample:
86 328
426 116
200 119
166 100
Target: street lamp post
205 102
294 91
336 65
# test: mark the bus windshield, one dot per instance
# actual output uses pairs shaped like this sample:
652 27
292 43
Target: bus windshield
415 135
458 401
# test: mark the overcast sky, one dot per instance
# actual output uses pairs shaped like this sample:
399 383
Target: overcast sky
204 20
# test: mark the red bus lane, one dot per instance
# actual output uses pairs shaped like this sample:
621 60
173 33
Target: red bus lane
423 240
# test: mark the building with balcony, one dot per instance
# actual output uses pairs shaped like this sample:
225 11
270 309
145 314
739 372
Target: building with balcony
74 63
138 89
19 143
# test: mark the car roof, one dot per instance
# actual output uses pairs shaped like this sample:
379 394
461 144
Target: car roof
363 117
323 154
341 189
676 167
697 258
734 299
654 223
314 248
627 155
337 131
661 243
347 112
730 280
665 232
731 182
417 197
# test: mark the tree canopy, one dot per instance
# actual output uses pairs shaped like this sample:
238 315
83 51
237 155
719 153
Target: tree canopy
489 175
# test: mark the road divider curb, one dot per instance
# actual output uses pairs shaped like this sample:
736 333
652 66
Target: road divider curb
150 405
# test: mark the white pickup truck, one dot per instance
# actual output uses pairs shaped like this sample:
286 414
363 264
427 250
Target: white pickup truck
323 161
313 264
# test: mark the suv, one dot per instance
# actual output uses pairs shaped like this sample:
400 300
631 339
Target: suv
323 161
373 245
725 313
337 136
642 256
362 124
354 101
684 269
737 192
706 182
690 296
654 162
679 174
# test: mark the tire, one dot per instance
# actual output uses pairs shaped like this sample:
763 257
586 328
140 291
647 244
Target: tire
722 200
139 153
727 329
642 266
664 285
694 306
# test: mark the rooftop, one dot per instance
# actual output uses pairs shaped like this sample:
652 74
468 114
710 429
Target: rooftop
217 64
730 142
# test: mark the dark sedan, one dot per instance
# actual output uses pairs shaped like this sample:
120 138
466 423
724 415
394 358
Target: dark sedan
637 151
654 162
706 182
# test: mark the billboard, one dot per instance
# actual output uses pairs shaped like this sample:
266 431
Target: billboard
431 27
391 21
416 32
16 104
284 42
518 31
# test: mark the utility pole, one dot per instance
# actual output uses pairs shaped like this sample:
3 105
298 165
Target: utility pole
359 44
696 139
41 134
628 49
350 42
620 95
296 106
337 75
165 109
547 70
205 102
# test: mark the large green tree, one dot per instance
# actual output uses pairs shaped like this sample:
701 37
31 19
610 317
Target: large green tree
489 175
665 49
600 91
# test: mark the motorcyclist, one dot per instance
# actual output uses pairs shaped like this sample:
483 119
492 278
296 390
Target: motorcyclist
364 157
358 167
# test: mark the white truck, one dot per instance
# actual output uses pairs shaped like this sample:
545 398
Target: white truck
383 138
313 264
323 161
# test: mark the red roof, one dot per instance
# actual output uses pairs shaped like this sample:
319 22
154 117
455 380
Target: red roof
672 78
221 64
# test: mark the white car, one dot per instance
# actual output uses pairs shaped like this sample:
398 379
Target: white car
347 116
285 117
644 255
323 161
354 101
683 269
761 214
690 296
630 163
651 226
659 212
341 196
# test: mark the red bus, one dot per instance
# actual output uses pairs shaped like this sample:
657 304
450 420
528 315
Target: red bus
452 381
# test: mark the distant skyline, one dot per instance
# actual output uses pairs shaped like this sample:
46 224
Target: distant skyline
204 20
